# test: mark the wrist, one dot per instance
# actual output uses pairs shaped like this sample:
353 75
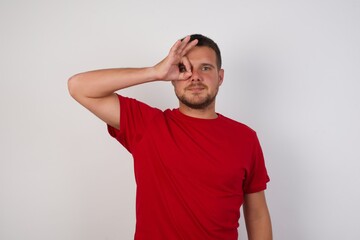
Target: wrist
153 73
160 71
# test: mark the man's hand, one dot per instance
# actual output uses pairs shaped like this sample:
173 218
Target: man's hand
176 65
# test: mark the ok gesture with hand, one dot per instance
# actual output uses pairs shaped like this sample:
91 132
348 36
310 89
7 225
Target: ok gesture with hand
176 65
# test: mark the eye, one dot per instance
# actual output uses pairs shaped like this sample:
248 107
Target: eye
206 68
182 68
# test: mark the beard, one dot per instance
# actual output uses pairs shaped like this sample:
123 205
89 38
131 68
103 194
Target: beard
196 101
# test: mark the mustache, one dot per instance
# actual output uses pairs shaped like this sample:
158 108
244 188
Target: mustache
192 85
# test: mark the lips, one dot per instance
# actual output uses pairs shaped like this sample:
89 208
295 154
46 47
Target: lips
196 87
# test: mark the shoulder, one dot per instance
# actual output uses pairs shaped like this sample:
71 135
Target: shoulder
132 104
236 125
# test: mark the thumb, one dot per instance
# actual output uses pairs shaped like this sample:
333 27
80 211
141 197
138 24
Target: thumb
185 75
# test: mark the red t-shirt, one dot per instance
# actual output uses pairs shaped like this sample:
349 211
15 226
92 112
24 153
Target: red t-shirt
191 173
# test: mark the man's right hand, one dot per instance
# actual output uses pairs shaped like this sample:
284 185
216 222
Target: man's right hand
176 65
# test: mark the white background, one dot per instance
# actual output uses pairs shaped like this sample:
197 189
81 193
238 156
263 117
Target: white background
292 73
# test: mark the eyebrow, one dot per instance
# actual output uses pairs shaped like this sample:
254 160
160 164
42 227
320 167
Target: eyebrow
207 64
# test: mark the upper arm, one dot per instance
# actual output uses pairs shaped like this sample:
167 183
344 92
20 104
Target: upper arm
255 204
107 107
257 217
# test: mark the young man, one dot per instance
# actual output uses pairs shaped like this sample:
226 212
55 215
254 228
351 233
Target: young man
194 167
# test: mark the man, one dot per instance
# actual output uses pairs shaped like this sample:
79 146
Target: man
194 167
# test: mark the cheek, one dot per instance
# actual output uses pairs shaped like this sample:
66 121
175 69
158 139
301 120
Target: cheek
178 87
180 84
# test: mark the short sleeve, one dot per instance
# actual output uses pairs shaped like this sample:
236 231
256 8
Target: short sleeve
257 177
135 116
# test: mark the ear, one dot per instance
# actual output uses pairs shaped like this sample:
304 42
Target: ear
221 76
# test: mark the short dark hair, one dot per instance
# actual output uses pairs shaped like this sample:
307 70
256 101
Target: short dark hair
204 41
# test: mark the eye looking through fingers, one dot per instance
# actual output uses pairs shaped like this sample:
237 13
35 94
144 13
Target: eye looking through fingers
182 68
185 65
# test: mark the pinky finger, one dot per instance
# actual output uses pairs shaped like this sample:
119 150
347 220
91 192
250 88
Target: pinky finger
176 46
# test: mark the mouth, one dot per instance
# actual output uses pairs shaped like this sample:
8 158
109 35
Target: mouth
196 87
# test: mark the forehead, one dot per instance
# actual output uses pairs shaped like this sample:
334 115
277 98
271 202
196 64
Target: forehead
202 55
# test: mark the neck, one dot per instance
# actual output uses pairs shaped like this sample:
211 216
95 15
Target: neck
207 113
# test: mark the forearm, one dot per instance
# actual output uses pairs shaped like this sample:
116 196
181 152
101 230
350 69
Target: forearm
102 83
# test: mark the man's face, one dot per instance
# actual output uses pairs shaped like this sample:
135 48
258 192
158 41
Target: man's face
199 91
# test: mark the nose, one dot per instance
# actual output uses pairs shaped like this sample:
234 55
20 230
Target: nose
195 76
